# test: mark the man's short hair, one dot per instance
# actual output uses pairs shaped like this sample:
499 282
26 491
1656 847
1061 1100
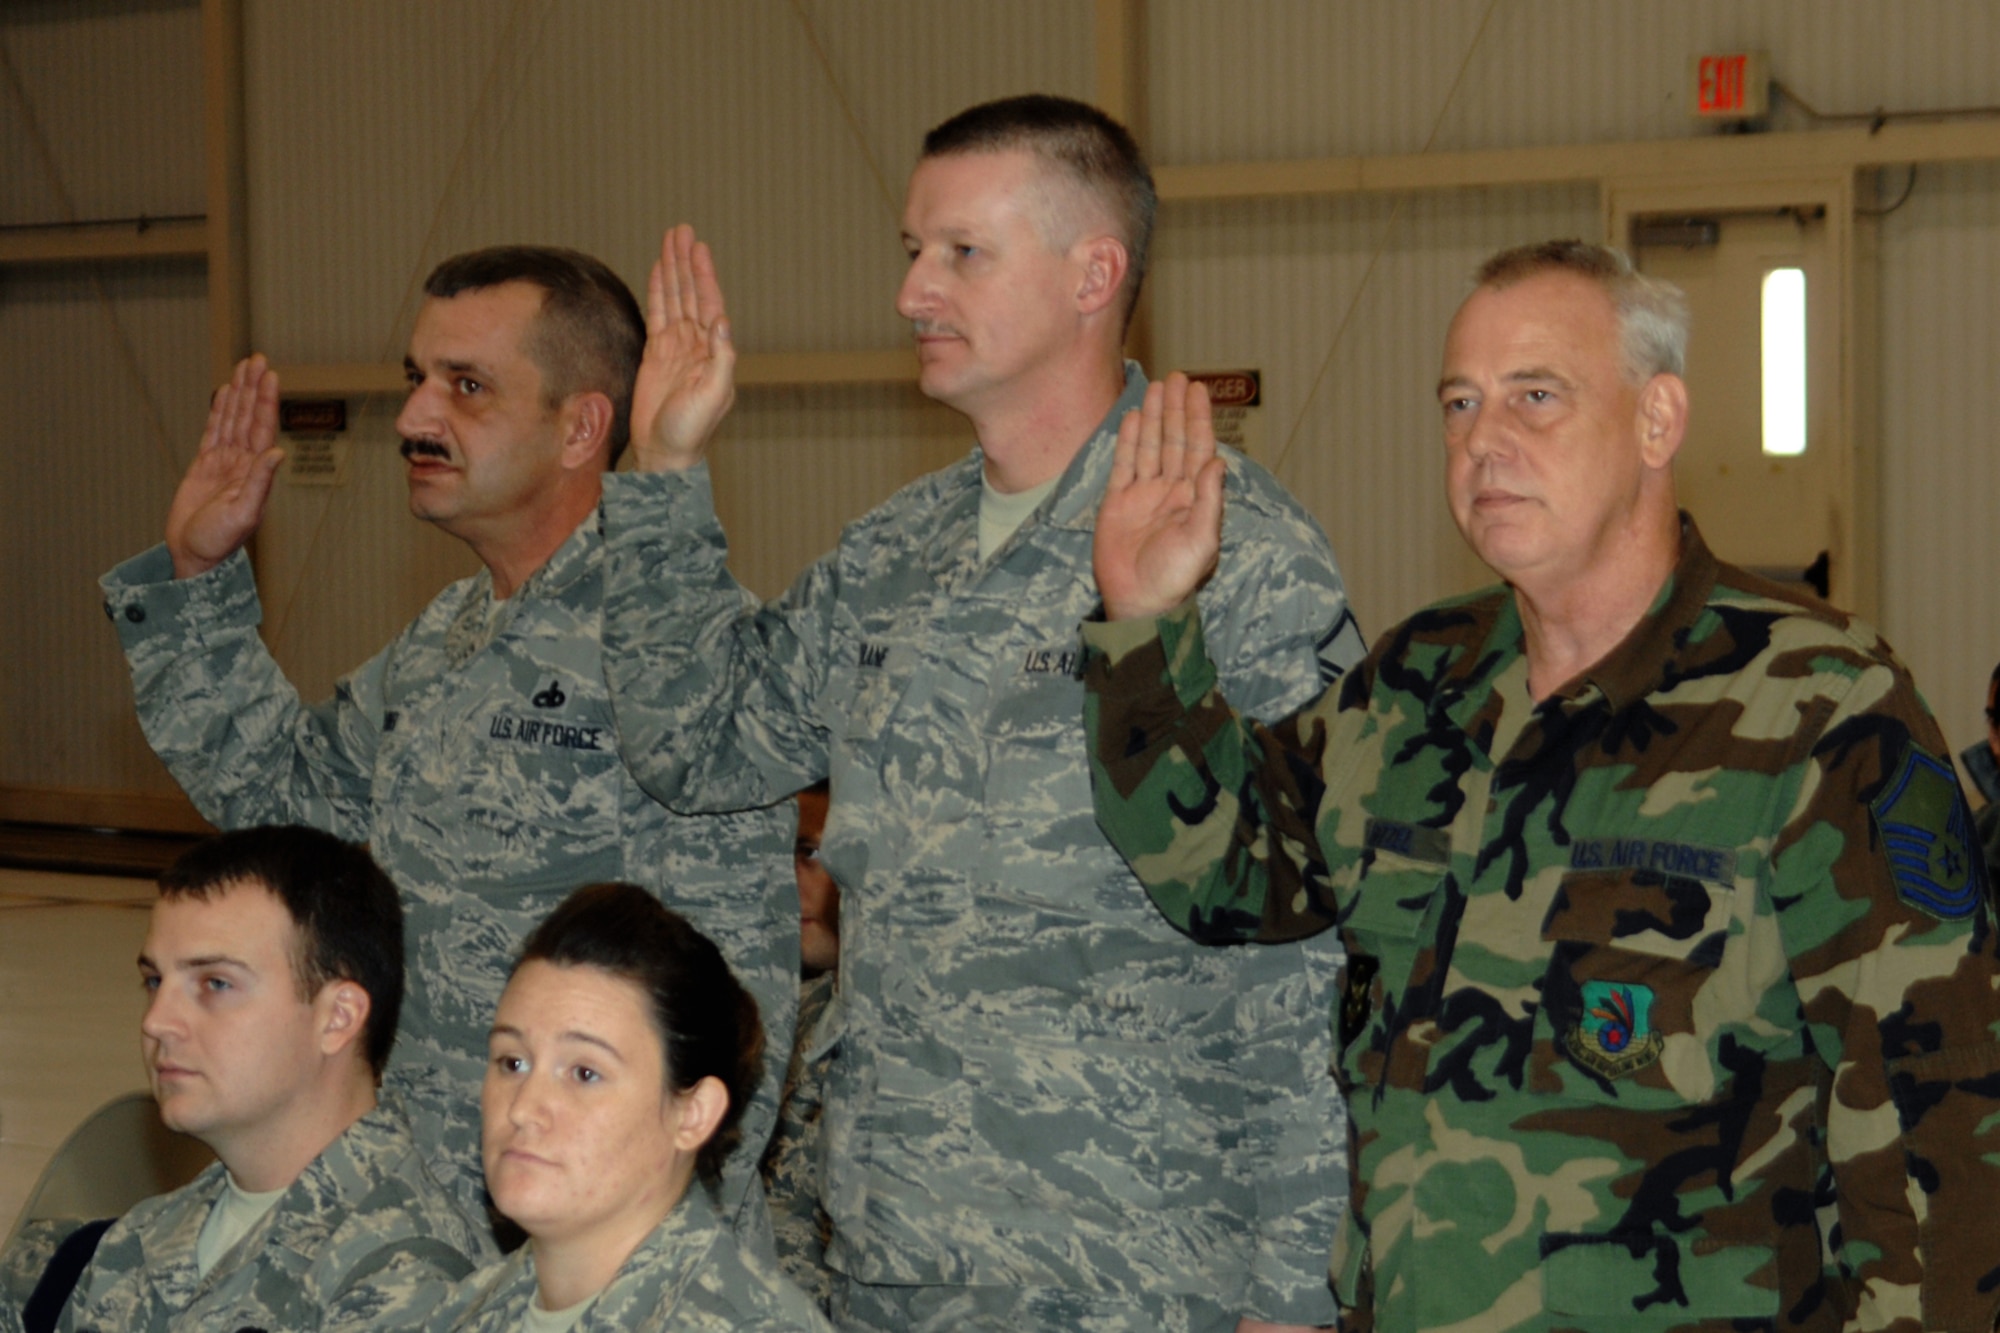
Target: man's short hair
1652 313
1093 151
590 333
349 919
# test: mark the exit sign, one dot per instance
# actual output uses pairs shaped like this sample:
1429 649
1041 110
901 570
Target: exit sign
1734 85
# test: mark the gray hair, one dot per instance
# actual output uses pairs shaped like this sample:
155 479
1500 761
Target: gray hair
1652 313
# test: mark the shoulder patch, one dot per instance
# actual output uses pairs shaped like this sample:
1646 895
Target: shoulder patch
1927 835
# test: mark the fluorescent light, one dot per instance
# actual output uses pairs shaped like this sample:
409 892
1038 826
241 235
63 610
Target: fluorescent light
1785 362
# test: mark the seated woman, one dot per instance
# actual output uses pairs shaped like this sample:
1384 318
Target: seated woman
621 1056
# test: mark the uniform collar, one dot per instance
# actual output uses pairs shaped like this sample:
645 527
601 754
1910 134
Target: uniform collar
1649 654
1644 659
348 1169
953 550
671 1255
168 1254
1073 504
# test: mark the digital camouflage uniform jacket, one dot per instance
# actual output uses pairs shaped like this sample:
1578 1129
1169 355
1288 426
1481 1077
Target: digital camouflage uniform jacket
479 764
800 1228
365 1238
688 1276
1680 1003
1040 1084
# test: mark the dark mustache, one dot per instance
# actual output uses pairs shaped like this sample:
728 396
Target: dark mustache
425 449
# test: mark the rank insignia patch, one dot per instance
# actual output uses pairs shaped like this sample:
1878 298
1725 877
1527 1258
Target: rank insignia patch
1615 1036
1927 834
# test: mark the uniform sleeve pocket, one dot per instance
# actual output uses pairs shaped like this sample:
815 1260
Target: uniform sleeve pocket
1951 1143
1384 922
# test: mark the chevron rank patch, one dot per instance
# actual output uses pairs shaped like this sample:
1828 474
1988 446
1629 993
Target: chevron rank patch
1927 835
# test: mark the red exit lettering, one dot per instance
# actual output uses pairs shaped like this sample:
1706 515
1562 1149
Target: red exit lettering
1722 83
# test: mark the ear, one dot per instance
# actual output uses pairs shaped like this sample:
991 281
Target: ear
344 1007
702 1109
1103 264
586 421
1663 416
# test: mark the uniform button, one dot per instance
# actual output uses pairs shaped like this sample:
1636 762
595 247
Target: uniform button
135 614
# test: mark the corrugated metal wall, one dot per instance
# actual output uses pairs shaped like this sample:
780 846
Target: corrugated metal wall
100 369
1940 344
383 135
1267 79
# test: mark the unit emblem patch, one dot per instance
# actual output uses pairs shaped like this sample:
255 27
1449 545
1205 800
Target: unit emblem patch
1615 1036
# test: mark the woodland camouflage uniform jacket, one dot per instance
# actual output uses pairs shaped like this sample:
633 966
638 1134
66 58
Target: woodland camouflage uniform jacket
1673 1003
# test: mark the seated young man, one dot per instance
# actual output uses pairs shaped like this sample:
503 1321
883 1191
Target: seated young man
273 972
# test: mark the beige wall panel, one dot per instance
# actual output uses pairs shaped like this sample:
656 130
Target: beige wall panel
1304 78
384 137
356 116
796 465
91 446
69 1012
1940 441
115 91
1361 289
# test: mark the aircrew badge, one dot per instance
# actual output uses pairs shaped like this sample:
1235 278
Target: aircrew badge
1927 833
1615 1036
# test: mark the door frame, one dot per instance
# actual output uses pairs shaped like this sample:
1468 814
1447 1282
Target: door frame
1856 553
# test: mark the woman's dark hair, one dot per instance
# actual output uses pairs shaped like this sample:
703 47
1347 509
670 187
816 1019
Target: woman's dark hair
708 1023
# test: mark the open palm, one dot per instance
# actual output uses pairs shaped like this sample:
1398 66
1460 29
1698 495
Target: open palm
1159 528
221 500
687 380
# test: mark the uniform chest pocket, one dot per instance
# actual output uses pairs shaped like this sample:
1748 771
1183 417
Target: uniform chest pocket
511 770
1630 954
864 691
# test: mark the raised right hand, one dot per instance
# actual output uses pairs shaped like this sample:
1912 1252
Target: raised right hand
221 499
1159 527
687 380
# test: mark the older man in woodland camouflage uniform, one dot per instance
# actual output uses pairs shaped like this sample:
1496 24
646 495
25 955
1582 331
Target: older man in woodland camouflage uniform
476 754
1672 1001
1046 1111
274 967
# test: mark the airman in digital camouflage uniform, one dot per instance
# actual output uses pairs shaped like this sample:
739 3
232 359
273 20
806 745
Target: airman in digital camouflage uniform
688 1277
1046 1111
275 968
1672 999
622 1051
800 1228
476 753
